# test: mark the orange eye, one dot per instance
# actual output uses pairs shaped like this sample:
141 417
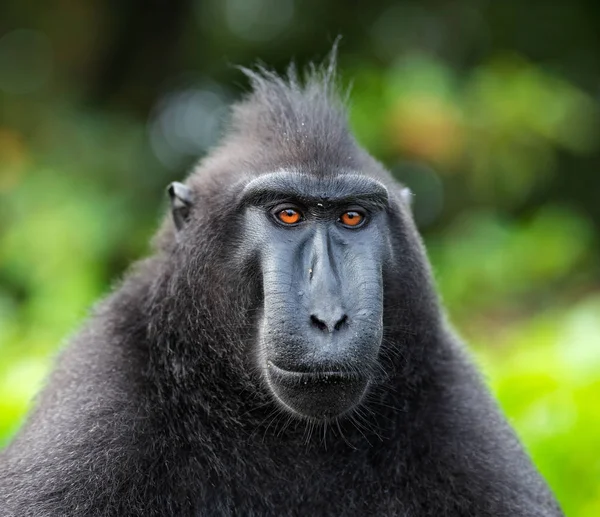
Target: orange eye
289 216
352 219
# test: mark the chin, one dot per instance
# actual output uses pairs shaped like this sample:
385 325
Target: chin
316 395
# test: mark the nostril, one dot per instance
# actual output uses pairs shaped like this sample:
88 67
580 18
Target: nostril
324 327
341 322
321 325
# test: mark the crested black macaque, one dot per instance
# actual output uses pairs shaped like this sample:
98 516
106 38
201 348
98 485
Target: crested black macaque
283 352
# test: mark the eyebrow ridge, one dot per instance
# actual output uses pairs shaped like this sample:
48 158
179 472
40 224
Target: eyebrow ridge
270 186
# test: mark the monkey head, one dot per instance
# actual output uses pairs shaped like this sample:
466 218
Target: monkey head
320 224
321 245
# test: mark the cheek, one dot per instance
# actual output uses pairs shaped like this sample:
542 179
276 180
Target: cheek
280 339
248 241
363 276
281 321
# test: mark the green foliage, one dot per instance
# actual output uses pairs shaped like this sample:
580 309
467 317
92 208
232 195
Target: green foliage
545 372
485 261
500 125
58 240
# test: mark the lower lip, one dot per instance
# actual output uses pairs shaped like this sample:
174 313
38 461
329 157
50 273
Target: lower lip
320 395
340 375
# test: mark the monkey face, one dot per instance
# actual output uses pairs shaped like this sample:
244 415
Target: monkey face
320 243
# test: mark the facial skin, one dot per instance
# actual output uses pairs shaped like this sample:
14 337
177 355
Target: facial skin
321 243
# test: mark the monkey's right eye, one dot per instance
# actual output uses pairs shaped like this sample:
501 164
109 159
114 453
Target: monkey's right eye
289 216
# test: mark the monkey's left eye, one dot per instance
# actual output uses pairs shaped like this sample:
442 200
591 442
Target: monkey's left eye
289 216
352 219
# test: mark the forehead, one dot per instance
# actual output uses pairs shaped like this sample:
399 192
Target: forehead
343 187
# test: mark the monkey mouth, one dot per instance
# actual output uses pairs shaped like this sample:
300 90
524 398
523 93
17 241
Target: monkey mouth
316 394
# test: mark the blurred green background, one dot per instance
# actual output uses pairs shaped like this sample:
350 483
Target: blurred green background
489 110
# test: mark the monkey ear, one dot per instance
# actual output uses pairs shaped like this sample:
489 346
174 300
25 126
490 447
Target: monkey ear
181 201
407 196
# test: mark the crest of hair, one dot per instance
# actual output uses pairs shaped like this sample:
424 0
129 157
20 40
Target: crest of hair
301 114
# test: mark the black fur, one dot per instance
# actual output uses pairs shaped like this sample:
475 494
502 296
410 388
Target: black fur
157 407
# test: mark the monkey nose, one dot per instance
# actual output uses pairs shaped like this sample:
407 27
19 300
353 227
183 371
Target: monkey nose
330 321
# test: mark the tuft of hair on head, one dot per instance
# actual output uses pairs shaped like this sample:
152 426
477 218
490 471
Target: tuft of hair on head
302 114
